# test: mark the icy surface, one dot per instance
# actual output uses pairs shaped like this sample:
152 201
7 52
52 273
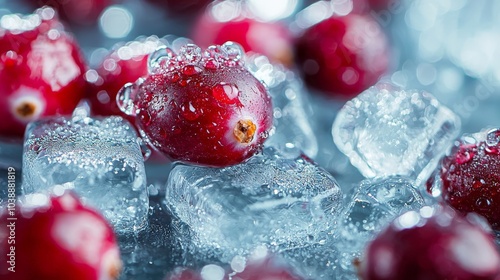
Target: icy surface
271 201
390 131
100 159
292 133
372 205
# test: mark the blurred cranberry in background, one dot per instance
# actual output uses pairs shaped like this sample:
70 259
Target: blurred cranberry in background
231 21
124 64
41 73
76 11
342 55
181 6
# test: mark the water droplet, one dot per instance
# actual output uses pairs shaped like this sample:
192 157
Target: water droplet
189 112
226 93
145 150
493 137
163 133
211 64
145 117
233 50
125 99
483 202
477 184
463 156
191 70
190 54
161 56
11 59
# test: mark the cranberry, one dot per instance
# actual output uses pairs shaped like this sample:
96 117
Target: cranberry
433 244
201 108
343 55
77 11
60 240
182 7
124 64
266 268
272 39
471 176
41 71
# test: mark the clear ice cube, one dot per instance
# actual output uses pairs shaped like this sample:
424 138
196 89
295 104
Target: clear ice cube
268 200
371 205
390 131
292 133
100 159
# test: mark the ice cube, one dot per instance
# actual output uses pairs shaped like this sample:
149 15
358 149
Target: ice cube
389 131
100 159
292 133
269 200
372 205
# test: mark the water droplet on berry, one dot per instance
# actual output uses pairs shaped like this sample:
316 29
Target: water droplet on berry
189 112
233 51
191 70
145 117
145 150
493 137
190 54
483 202
463 156
11 59
226 93
125 99
161 56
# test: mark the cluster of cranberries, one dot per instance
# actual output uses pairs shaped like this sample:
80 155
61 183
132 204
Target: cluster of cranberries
203 107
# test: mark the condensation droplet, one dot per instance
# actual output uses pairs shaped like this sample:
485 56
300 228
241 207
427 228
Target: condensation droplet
493 137
190 54
226 93
162 55
189 112
233 50
125 99
483 202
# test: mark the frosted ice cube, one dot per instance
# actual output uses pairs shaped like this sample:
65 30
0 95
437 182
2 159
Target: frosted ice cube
268 200
292 133
100 159
389 131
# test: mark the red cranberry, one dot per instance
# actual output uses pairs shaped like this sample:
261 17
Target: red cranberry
60 240
272 39
266 268
176 7
124 64
41 71
201 108
471 176
77 11
432 244
343 55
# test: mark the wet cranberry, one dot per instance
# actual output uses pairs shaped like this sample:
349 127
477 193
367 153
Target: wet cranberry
60 240
471 176
41 71
272 39
342 56
431 244
201 108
